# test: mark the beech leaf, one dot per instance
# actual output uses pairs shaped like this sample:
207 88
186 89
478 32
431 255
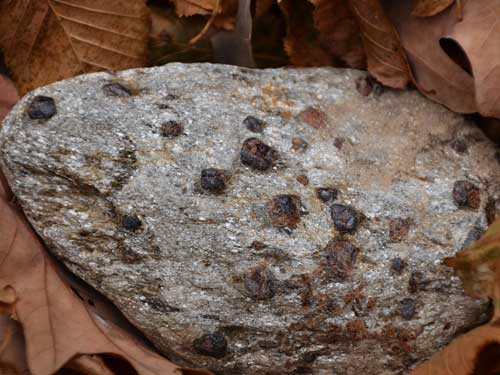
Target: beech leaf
385 56
48 40
186 8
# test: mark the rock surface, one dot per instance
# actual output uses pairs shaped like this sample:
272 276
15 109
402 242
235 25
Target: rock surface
306 238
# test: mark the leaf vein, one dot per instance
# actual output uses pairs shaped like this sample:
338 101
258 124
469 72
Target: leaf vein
94 10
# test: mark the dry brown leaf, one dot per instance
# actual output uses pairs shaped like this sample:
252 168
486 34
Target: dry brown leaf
7 300
352 33
185 8
434 73
48 40
339 32
89 365
8 96
12 348
477 35
476 352
385 56
479 267
302 42
57 326
7 295
428 8
457 62
224 11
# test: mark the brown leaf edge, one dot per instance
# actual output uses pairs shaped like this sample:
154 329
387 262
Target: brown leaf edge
12 348
386 58
429 8
8 95
434 73
476 352
479 267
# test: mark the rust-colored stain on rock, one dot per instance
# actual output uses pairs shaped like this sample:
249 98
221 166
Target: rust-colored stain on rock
313 117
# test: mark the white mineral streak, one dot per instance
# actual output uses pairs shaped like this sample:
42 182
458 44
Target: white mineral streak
120 202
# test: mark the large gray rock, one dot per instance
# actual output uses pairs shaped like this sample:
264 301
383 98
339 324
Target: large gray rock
207 228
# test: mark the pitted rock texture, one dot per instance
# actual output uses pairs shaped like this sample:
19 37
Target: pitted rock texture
196 225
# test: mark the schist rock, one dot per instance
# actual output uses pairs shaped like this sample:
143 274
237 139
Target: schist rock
151 185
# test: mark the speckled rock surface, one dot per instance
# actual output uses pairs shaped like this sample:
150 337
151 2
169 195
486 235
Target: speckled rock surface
307 238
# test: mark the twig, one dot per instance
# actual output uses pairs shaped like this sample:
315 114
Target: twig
203 31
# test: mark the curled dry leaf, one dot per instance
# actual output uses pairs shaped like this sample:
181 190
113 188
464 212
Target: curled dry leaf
57 325
435 74
48 40
478 351
428 8
12 348
7 300
89 365
457 62
477 34
385 56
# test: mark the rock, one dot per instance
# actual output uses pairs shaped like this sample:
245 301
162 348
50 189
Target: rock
151 186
